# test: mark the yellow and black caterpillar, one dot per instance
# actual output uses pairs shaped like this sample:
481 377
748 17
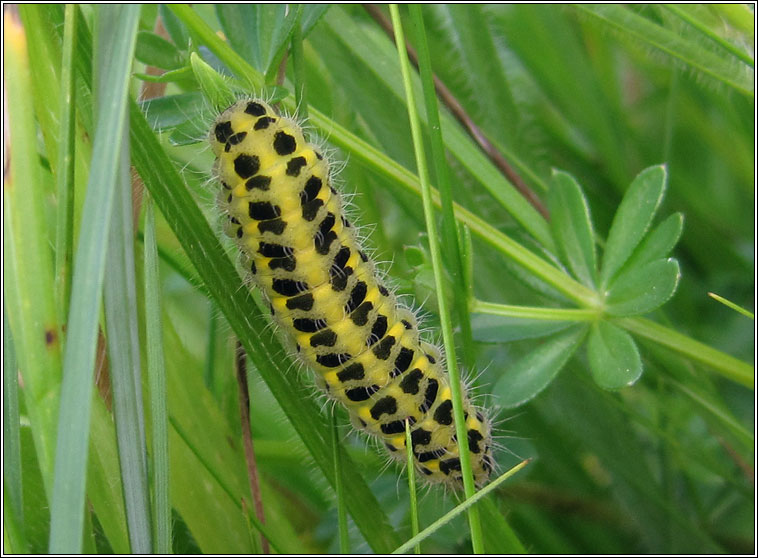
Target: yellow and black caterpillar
324 291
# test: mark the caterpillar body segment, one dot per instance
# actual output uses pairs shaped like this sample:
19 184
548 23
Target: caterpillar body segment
325 293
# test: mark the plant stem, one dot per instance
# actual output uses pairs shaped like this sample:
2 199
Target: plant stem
734 369
434 248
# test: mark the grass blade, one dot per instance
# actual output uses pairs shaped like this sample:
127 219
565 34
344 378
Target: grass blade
120 308
626 21
450 241
64 237
338 488
411 485
726 365
12 473
156 374
459 509
118 31
434 248
28 269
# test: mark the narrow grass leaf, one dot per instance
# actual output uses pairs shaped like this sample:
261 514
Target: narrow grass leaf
12 473
499 536
153 50
120 309
28 285
643 289
299 66
117 30
434 248
691 14
45 54
535 370
614 358
459 509
632 219
450 240
626 21
14 540
723 363
104 488
156 375
572 227
413 510
312 13
339 490
64 237
176 29
732 305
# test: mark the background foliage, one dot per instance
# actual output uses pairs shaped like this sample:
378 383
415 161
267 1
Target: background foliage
549 312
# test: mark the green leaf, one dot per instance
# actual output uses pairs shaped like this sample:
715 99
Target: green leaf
489 328
643 289
175 28
572 227
258 32
213 85
12 472
157 51
156 375
534 371
28 276
312 13
116 26
614 358
633 217
182 77
120 309
167 112
658 243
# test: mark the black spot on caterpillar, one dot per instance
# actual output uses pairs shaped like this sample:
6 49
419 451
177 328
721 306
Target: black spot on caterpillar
288 222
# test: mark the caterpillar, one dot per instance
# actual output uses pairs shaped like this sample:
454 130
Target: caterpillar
327 295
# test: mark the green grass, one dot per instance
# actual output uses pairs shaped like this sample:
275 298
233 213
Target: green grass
583 313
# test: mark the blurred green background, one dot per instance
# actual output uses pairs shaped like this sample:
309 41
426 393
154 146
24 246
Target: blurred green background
665 465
